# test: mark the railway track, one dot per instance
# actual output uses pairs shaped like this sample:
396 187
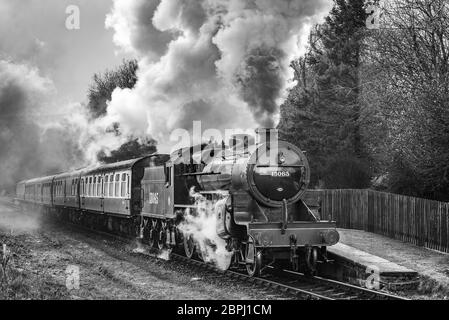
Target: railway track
300 285
286 281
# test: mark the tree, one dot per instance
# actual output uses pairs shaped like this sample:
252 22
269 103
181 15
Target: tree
103 85
129 150
100 93
410 74
323 110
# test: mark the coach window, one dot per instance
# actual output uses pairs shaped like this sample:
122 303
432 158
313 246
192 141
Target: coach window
94 187
117 185
99 186
111 185
127 184
90 187
106 186
123 186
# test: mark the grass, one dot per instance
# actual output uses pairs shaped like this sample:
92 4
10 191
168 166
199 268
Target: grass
19 284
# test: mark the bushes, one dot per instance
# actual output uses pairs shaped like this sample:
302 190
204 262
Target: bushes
346 173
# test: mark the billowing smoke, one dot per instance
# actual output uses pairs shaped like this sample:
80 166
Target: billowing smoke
30 143
225 63
201 223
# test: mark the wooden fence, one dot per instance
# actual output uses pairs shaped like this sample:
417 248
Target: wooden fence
419 221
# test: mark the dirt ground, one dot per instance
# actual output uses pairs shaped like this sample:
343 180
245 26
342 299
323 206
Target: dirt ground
433 266
44 257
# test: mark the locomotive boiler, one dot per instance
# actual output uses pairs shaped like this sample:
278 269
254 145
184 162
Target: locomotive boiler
262 215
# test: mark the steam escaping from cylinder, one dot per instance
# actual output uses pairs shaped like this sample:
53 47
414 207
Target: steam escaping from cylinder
201 223
225 63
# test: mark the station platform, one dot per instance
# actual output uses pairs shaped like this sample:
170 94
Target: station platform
361 256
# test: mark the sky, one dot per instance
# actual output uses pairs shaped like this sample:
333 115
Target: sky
34 32
223 62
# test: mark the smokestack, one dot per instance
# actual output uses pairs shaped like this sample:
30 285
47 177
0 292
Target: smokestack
240 143
266 135
267 138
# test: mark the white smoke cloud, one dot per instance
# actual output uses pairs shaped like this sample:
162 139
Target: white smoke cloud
36 135
225 63
201 223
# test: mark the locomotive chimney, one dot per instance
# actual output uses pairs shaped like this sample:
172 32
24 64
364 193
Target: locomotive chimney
266 135
269 138
240 143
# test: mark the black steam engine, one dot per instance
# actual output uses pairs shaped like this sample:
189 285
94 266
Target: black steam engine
262 215
256 190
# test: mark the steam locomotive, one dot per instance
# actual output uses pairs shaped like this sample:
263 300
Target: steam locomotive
255 188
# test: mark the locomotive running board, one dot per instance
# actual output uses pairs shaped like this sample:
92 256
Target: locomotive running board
322 233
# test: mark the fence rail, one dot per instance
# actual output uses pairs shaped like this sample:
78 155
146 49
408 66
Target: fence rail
419 221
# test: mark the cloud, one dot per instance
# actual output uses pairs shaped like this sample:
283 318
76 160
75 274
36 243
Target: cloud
225 63
30 144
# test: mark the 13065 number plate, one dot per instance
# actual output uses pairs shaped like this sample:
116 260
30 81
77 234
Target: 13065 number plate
280 174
